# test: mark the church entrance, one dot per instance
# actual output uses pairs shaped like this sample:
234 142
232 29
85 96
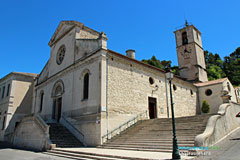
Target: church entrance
57 109
152 107
57 93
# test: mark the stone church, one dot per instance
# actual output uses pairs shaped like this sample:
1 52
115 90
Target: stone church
92 90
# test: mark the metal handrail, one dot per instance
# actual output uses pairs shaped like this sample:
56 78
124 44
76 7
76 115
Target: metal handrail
126 124
73 126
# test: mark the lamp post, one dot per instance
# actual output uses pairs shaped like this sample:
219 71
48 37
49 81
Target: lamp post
175 152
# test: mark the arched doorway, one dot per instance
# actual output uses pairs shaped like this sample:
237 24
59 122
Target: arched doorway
57 92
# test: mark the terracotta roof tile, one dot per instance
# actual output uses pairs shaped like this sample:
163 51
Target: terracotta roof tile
210 82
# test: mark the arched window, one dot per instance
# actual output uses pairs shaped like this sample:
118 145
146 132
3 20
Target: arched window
41 101
184 38
58 89
85 86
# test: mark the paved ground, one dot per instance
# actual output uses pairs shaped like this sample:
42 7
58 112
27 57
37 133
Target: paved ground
229 148
14 154
8 153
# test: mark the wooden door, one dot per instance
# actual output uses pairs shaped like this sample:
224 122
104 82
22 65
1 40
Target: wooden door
59 108
152 107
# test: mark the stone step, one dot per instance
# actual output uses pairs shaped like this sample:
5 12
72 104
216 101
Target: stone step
168 147
149 145
140 149
90 156
79 156
66 156
154 138
62 137
158 136
169 131
153 142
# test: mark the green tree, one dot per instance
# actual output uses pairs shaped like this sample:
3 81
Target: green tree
154 62
231 67
214 66
161 64
205 107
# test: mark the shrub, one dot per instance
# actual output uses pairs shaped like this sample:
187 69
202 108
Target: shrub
205 107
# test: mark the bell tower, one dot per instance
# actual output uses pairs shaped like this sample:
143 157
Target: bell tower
190 54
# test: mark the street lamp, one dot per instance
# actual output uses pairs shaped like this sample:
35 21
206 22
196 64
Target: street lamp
175 153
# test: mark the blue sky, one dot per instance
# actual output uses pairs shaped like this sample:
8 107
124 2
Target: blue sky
144 25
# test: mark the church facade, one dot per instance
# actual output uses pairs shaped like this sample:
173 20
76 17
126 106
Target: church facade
89 85
93 90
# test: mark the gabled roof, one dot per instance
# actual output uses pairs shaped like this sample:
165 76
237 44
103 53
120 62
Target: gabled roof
26 74
70 23
208 83
19 73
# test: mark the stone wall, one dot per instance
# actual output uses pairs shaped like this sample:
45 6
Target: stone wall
129 89
219 125
215 99
32 133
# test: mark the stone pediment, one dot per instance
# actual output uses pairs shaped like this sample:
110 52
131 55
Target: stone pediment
64 27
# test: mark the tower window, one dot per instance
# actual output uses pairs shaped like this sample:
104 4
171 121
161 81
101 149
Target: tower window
184 38
85 86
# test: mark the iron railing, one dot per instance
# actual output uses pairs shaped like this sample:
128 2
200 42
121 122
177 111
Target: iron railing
124 126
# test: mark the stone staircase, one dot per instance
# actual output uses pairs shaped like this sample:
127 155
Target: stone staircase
156 134
62 137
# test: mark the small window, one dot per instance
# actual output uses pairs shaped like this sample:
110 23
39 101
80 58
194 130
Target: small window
8 90
174 87
3 90
16 124
112 59
197 35
85 86
151 80
3 123
191 92
208 92
228 86
41 101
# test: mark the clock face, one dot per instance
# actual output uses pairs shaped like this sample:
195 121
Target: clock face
186 52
